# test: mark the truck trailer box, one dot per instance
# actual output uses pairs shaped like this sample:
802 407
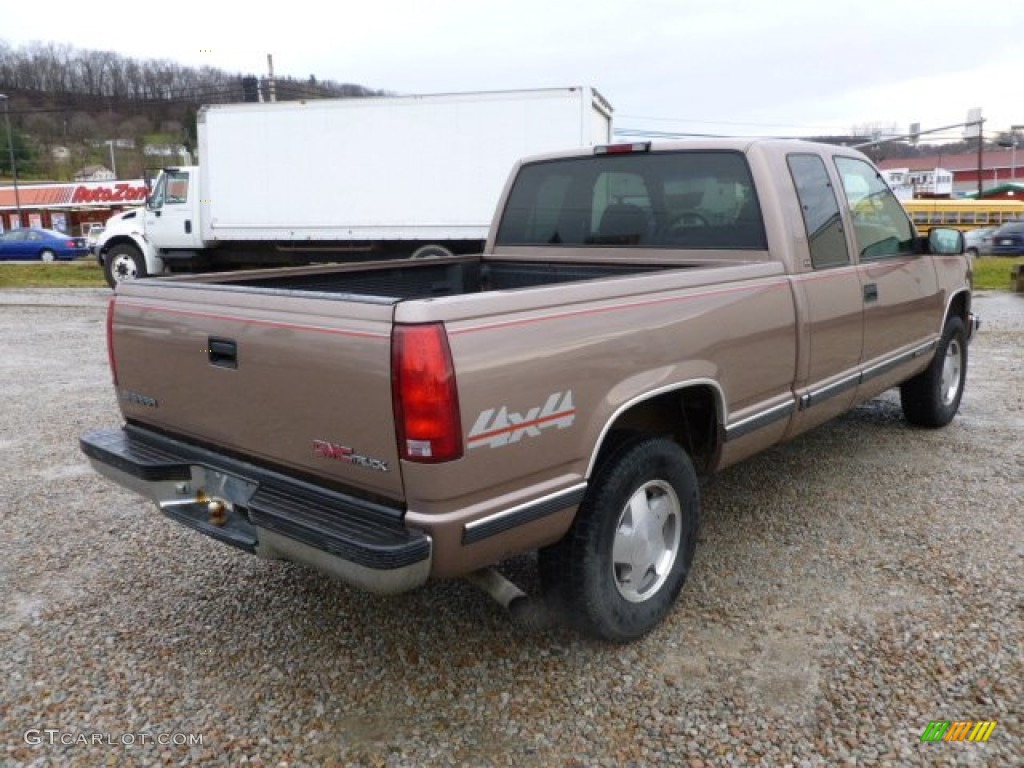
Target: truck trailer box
418 168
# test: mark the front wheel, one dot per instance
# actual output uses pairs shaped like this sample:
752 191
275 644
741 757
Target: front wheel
932 398
621 566
123 262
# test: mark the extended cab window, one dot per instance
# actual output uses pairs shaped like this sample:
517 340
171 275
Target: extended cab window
880 225
689 199
825 237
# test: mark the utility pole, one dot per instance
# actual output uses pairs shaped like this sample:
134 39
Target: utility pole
10 150
270 78
113 162
981 145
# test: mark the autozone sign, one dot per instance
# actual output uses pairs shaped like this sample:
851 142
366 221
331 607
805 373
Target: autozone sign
110 193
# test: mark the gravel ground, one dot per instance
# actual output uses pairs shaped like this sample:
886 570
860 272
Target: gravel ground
849 588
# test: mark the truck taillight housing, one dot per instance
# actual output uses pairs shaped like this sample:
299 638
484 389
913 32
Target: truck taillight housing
424 395
110 340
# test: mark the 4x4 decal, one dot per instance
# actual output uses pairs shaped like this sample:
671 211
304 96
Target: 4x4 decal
496 427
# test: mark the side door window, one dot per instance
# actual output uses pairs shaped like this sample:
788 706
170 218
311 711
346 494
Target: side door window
820 209
171 189
880 225
177 188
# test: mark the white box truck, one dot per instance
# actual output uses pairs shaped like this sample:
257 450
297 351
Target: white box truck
343 179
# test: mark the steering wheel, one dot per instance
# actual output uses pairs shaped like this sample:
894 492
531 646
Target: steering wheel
686 219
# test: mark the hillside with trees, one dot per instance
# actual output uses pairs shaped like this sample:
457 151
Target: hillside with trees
72 108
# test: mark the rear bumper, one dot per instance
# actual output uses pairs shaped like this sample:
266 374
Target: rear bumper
264 512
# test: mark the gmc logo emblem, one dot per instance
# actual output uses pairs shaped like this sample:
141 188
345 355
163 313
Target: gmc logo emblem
342 453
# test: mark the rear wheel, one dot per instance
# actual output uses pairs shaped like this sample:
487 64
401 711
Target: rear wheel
932 398
621 566
123 262
430 252
47 255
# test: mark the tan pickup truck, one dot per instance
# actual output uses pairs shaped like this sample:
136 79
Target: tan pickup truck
640 315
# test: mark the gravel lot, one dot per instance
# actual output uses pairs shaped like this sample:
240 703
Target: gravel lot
849 588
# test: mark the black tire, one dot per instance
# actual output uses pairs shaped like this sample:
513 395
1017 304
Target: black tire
593 574
932 398
123 262
47 255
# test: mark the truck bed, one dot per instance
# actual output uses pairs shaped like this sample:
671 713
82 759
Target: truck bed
431 279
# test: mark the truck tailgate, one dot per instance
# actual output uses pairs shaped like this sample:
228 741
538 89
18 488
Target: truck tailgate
296 382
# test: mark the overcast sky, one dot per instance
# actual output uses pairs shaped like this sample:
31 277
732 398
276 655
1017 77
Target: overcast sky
738 67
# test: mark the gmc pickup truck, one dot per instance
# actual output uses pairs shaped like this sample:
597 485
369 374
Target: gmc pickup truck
641 315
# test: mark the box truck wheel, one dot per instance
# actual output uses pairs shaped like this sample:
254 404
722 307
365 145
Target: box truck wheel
430 252
123 262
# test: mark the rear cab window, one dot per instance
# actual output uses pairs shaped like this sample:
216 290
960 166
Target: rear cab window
820 208
680 199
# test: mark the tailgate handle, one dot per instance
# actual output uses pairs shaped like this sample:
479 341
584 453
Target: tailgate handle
222 352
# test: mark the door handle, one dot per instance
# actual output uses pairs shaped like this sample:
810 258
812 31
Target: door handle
188 226
870 292
222 352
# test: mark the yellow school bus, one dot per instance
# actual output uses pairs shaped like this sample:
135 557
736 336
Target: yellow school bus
963 214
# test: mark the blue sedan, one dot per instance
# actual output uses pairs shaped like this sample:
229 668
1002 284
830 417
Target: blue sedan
46 244
1008 240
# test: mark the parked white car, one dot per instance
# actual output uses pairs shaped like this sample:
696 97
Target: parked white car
92 236
978 242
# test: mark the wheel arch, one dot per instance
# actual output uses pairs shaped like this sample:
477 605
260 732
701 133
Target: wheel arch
116 241
691 413
959 305
154 264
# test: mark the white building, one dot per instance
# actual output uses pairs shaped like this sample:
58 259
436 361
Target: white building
909 183
95 173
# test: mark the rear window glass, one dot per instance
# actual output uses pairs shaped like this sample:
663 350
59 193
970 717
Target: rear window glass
689 199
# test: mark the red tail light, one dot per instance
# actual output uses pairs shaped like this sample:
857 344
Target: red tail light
110 340
424 395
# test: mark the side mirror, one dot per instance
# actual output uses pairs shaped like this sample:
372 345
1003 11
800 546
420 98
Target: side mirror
945 241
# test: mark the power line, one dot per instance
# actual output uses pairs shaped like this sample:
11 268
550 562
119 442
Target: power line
726 122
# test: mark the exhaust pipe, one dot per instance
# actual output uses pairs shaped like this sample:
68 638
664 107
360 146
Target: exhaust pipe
529 612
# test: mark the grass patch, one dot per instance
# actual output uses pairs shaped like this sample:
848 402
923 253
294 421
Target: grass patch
993 272
84 273
990 273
